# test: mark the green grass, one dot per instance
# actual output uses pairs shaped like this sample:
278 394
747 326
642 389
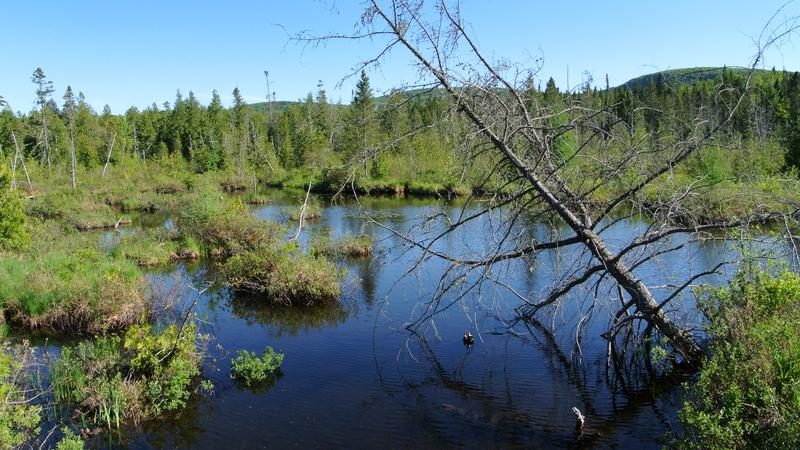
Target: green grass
312 211
350 246
222 226
284 274
68 285
147 249
255 199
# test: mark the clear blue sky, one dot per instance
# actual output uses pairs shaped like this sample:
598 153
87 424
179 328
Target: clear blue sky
125 53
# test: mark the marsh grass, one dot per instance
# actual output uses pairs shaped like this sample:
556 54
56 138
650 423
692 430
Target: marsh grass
255 199
284 274
67 285
312 211
147 248
349 246
78 209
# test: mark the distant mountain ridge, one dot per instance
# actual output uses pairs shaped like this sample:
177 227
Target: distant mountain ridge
684 76
688 76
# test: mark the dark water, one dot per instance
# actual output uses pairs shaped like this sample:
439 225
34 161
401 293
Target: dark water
355 377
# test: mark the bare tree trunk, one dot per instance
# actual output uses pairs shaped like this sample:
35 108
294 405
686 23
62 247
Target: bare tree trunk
46 140
72 155
22 162
524 136
14 172
540 172
108 156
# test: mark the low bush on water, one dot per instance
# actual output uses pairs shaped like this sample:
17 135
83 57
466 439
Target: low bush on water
249 369
127 379
284 274
79 209
311 211
19 418
70 441
147 249
747 394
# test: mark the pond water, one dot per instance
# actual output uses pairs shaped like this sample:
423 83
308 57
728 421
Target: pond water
355 377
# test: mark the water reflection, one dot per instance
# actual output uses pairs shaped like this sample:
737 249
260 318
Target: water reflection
282 320
354 377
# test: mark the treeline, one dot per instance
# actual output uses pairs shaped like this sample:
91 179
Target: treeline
663 104
306 134
314 136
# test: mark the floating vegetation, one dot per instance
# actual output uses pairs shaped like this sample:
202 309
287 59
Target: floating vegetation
249 369
223 227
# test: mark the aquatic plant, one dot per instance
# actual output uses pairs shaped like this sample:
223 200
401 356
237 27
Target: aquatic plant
146 248
249 369
310 211
19 419
80 209
70 441
223 227
117 380
252 198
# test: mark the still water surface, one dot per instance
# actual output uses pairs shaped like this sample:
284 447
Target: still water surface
354 377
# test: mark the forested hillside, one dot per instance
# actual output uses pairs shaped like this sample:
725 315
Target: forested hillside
313 141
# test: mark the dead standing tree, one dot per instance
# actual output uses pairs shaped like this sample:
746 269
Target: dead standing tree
524 137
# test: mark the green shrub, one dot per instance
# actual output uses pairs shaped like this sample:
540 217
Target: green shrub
117 380
13 234
249 369
223 228
70 441
19 419
747 394
284 275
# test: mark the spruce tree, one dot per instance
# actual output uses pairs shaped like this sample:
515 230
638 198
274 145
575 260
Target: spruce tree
240 118
360 121
44 89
